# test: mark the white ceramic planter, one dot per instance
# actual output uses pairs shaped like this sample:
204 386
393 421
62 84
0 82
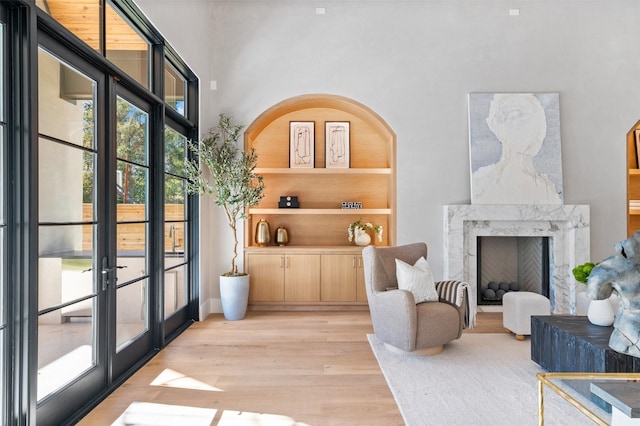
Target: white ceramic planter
234 295
601 313
362 239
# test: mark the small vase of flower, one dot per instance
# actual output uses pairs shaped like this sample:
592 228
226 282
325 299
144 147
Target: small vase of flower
581 274
599 312
358 232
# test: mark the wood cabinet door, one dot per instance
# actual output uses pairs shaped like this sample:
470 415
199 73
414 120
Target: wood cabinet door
302 278
267 277
361 290
338 278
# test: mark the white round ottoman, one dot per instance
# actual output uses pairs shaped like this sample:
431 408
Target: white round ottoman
517 308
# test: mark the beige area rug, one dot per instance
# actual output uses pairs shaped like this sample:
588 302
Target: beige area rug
479 379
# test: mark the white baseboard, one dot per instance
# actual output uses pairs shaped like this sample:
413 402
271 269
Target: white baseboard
210 306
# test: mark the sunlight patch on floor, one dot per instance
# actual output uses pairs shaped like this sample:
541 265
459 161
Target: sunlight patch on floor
150 414
173 379
241 418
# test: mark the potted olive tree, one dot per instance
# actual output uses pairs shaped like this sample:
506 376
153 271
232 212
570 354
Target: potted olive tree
235 186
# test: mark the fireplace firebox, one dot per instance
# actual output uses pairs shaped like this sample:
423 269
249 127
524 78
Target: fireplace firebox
507 264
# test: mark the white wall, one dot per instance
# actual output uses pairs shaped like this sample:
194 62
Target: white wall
187 27
414 62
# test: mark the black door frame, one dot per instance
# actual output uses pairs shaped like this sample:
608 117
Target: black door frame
47 29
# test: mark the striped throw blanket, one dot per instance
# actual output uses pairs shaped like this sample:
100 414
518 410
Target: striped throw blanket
453 292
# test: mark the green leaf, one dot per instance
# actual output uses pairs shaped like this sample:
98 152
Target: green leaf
231 180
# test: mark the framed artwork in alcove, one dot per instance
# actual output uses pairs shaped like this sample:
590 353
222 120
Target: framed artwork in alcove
301 144
337 149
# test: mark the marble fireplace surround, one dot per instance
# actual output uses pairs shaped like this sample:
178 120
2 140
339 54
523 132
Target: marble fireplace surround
567 227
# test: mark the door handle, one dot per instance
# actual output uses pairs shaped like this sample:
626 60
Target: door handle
105 272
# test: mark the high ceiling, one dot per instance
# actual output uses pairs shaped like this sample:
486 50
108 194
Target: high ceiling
82 17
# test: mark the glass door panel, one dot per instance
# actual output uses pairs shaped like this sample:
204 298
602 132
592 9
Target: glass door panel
175 151
3 229
131 312
132 190
175 288
67 251
176 284
65 346
132 222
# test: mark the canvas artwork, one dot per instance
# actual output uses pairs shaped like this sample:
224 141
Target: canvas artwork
514 145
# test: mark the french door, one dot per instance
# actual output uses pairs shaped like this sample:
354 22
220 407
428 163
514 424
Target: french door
4 315
72 304
97 310
127 271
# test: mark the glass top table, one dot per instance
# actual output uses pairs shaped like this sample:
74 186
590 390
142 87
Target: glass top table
605 398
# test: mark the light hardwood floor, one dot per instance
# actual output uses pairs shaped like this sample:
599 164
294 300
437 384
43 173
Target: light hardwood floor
315 368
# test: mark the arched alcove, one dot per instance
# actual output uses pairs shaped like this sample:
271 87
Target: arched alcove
319 226
633 179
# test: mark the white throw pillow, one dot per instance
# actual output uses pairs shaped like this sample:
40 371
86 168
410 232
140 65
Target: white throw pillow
418 279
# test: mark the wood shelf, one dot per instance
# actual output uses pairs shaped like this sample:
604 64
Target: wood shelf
351 212
322 171
288 249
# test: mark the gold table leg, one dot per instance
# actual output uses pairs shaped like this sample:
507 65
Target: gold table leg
544 379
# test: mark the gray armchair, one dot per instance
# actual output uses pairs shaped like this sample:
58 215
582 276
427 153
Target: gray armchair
398 322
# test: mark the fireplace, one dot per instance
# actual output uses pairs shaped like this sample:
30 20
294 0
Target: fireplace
508 264
566 227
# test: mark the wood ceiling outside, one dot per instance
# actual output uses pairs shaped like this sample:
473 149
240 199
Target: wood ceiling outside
82 17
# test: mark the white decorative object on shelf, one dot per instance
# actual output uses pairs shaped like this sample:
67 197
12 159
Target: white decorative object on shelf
358 228
601 313
362 238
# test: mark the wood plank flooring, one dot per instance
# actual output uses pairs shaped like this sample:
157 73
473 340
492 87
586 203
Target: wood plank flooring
315 368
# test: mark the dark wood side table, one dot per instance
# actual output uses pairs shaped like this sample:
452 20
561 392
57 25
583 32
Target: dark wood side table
569 343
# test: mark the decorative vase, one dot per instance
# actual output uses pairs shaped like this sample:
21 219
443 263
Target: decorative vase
362 239
263 233
234 296
601 313
282 236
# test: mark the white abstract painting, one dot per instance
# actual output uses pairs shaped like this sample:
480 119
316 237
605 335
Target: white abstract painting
514 141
